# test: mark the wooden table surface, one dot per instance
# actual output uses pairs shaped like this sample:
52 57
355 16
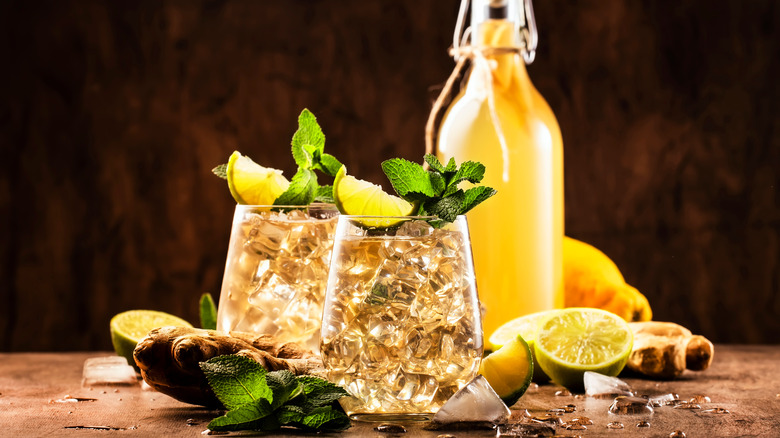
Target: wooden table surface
745 380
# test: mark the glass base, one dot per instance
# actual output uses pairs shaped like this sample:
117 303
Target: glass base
379 418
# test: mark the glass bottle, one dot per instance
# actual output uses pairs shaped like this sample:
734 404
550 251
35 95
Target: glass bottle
501 120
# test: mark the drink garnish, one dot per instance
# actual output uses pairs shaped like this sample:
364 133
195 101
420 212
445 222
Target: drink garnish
260 400
251 183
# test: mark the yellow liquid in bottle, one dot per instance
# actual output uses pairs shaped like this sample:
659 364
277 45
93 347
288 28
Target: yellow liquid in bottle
517 235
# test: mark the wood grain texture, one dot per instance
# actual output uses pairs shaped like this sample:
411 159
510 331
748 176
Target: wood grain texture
113 113
743 380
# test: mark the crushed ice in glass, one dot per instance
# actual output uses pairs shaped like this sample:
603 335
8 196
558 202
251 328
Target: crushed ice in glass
624 405
476 402
601 386
111 370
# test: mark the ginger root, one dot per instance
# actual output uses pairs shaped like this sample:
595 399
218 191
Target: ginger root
664 350
169 358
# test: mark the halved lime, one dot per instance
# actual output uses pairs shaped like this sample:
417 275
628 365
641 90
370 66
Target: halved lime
253 184
578 339
361 198
527 327
128 328
509 370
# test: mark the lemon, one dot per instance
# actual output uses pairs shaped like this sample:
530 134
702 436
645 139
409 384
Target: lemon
509 370
128 328
253 184
525 326
572 341
591 279
361 198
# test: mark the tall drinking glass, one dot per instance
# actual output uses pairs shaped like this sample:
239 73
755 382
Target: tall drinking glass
276 271
401 324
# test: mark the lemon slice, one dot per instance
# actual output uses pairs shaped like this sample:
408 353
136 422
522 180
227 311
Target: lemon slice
128 328
253 184
361 198
509 370
574 340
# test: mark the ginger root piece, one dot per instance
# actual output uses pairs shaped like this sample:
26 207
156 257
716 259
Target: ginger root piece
169 359
664 350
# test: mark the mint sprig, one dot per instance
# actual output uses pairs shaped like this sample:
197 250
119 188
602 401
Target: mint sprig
267 401
436 189
208 312
308 151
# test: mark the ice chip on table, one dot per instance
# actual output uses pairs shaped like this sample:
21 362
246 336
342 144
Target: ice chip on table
476 402
599 385
627 405
110 370
664 400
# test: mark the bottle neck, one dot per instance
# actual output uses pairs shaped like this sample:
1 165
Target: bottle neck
509 68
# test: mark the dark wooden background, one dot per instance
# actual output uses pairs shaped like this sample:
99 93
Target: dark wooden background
112 114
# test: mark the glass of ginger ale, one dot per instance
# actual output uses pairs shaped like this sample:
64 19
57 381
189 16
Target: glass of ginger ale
401 326
276 271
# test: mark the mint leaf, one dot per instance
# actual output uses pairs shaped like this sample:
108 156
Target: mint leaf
284 386
409 180
434 163
320 392
438 182
474 196
324 194
236 380
307 138
328 164
447 208
303 186
290 414
208 312
470 171
220 171
245 417
326 418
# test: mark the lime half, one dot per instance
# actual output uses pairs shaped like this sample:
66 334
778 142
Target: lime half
509 370
253 184
128 328
574 340
361 198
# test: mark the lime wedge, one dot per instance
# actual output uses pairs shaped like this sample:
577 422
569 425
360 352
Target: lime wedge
128 328
253 184
509 370
574 340
525 326
361 198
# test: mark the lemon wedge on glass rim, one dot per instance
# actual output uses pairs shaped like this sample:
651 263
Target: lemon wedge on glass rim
357 197
253 184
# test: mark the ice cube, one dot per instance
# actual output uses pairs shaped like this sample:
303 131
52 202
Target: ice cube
664 400
414 229
475 402
111 370
599 385
627 405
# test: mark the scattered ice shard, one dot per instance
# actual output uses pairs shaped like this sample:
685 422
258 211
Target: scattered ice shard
664 400
601 386
624 405
475 402
111 370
